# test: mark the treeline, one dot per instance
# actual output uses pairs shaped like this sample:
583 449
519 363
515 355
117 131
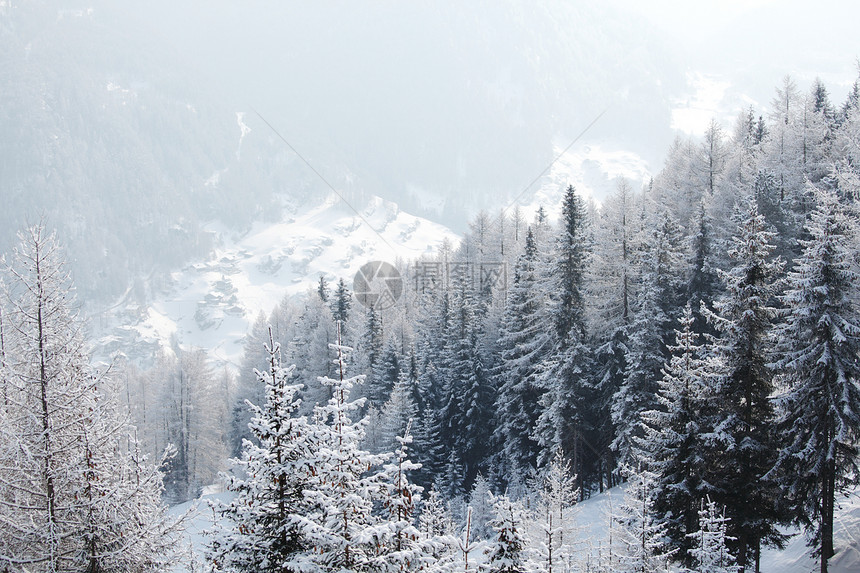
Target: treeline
701 331
673 328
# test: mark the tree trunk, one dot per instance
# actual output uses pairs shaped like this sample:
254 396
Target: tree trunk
828 501
742 551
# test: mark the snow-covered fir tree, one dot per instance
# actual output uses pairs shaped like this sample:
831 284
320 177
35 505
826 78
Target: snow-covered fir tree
481 506
404 546
341 303
309 349
557 493
611 286
437 529
817 348
566 421
342 524
263 528
384 375
248 388
524 342
708 545
467 412
398 412
676 434
642 542
507 552
429 450
744 434
651 333
703 283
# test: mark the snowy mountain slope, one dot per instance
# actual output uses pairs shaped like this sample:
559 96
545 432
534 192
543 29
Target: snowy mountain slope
211 303
592 167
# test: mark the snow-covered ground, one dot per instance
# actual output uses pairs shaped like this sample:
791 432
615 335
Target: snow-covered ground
795 558
589 519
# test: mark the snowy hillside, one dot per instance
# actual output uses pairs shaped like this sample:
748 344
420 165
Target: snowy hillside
211 303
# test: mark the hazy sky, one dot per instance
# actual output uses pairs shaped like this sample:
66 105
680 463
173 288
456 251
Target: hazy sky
427 102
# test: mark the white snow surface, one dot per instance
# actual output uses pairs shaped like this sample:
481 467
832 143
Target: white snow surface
590 515
590 519
211 304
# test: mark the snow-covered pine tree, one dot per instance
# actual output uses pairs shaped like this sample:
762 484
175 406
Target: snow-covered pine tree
248 389
708 548
467 412
777 214
451 481
744 433
435 519
372 338
567 274
611 286
75 492
309 349
398 412
404 548
507 552
437 529
567 420
481 506
674 438
557 493
429 451
323 290
703 283
651 333
642 537
263 527
386 370
341 304
342 524
373 441
817 348
524 342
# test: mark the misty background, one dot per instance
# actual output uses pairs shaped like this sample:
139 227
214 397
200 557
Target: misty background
149 134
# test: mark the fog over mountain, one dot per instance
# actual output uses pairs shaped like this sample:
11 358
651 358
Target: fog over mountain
128 126
431 101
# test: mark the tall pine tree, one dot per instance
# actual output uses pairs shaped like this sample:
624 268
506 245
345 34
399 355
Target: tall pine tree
745 433
568 409
524 343
675 437
818 349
